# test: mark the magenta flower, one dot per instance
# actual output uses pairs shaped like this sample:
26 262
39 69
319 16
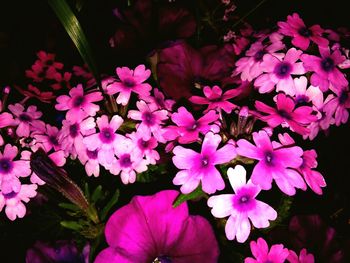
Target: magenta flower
25 120
13 201
215 99
296 118
6 119
326 74
274 163
339 105
48 138
158 99
200 167
90 160
261 252
149 229
278 72
188 129
304 257
78 104
302 35
241 206
131 81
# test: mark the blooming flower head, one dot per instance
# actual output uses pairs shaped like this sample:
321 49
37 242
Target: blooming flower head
13 201
158 99
130 81
326 74
304 94
200 167
261 252
241 206
274 163
278 72
188 128
25 120
339 105
78 104
215 99
296 118
302 35
150 229
90 160
48 138
304 257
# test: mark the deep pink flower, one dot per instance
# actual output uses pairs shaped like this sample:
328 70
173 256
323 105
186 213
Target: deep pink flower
241 206
130 81
296 118
302 35
25 120
304 257
149 229
48 138
62 81
200 167
339 105
278 72
261 252
13 201
326 74
158 99
188 128
215 99
274 163
34 92
78 104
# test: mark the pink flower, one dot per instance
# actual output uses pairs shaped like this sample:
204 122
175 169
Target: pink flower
274 163
79 106
278 72
200 167
13 201
146 147
188 129
158 99
90 160
6 119
339 105
151 119
215 99
25 120
260 250
241 206
149 229
48 138
62 81
302 35
287 114
131 81
303 95
129 161
106 140
326 74
304 257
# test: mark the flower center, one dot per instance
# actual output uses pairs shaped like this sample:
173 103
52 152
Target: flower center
284 114
5 166
327 64
92 154
269 158
28 140
302 100
125 160
193 127
107 135
205 161
162 259
259 55
74 130
283 69
148 118
10 195
305 32
343 97
244 199
24 118
78 101
143 144
129 83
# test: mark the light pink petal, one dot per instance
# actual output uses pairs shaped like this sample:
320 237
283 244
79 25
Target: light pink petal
221 205
261 215
237 177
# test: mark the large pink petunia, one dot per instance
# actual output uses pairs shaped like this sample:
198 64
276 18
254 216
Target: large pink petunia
149 229
200 167
241 206
274 163
261 252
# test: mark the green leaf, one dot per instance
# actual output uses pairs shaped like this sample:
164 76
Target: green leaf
76 33
73 225
198 192
151 174
96 194
87 191
109 205
69 206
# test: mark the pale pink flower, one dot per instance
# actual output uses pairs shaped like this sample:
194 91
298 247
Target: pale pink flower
130 81
200 167
90 160
278 72
261 252
304 94
146 147
78 104
25 120
304 257
241 206
274 163
13 201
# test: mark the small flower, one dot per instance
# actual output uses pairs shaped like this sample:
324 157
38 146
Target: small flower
339 105
90 160
158 99
131 81
274 163
48 138
149 229
302 35
241 206
304 257
200 167
261 252
304 95
78 104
